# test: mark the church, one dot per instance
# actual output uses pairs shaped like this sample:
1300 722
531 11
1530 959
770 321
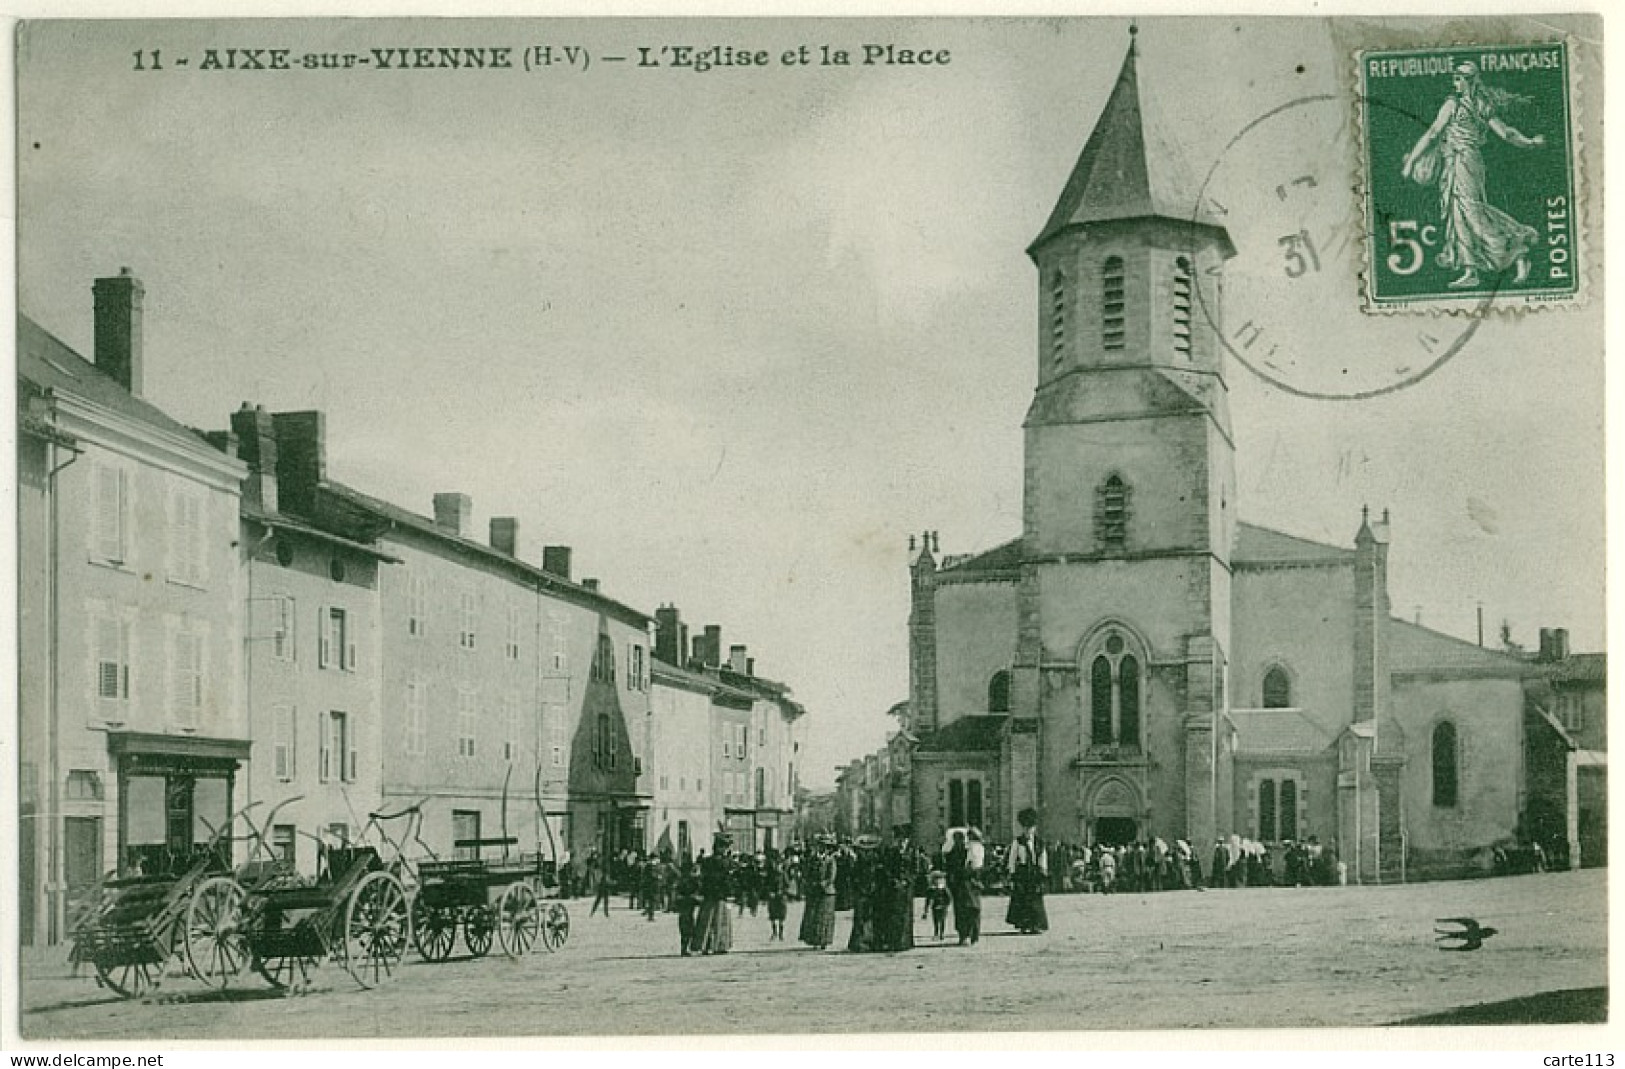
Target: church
1143 663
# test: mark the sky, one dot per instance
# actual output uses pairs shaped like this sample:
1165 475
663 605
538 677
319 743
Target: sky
734 335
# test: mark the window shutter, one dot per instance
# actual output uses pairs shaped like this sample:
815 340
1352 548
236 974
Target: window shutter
109 667
324 642
110 496
349 645
352 761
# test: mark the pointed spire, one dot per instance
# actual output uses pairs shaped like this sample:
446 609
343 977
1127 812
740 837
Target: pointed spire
1119 175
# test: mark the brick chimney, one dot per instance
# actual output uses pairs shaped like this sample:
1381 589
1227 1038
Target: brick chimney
301 458
671 637
505 535
556 561
118 328
454 513
255 431
737 660
710 646
590 584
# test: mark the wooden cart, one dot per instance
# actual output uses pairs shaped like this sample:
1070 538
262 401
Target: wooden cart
354 914
135 926
486 898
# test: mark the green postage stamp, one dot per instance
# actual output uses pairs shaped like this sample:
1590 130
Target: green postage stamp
1470 178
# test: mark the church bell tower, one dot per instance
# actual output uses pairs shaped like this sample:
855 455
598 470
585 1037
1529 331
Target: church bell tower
1129 498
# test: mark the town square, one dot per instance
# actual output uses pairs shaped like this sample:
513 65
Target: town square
756 527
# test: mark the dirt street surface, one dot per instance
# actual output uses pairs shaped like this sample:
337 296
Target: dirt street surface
1288 957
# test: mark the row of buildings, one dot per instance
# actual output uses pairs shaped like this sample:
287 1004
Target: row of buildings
210 623
1140 662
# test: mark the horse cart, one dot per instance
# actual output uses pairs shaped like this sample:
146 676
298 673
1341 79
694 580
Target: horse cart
487 898
136 926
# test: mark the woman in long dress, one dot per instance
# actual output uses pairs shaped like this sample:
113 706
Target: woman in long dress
713 928
1029 868
1477 235
818 888
867 877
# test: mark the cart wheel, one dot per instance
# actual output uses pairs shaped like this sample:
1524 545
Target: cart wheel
213 938
478 924
433 930
377 927
519 920
555 926
291 974
131 979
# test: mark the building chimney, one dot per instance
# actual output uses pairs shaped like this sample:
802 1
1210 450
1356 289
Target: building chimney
1548 644
1560 644
750 667
710 646
454 512
590 584
737 659
255 431
669 641
118 328
505 535
556 561
301 457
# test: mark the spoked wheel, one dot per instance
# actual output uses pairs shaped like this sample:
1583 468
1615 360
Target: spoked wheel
377 927
292 974
130 979
213 939
519 920
478 924
434 931
555 925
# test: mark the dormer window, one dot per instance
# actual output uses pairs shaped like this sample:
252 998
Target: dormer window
1111 304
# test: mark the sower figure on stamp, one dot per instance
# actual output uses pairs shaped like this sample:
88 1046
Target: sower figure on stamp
1477 236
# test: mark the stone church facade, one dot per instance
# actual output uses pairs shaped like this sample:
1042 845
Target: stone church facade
1142 663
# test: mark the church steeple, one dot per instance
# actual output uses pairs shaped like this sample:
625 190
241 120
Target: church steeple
1119 175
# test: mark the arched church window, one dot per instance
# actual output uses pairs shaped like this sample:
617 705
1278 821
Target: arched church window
1277 689
1111 303
1182 307
998 692
1289 809
1100 701
1445 767
1114 695
1128 690
1111 513
1057 316
1266 811
1278 803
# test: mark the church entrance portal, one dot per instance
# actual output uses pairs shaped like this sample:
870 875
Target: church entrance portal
1115 831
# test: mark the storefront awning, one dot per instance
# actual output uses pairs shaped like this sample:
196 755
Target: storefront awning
177 747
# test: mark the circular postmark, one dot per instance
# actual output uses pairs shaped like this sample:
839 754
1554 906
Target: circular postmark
1285 188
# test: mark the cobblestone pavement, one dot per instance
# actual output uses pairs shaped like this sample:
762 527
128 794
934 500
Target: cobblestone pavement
1286 957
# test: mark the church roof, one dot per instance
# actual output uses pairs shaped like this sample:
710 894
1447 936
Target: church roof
1123 173
1260 545
1278 733
968 734
1414 648
998 559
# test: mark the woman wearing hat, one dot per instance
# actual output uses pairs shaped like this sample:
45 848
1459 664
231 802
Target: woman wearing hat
713 929
867 875
1029 868
818 886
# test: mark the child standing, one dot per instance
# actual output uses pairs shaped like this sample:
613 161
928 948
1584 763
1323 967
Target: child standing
936 901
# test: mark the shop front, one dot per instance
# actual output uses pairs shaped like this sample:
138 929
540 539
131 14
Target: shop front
175 799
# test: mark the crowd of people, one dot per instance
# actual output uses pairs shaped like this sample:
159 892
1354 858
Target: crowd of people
879 882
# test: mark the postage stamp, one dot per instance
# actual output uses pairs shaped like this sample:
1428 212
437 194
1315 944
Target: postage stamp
1470 178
